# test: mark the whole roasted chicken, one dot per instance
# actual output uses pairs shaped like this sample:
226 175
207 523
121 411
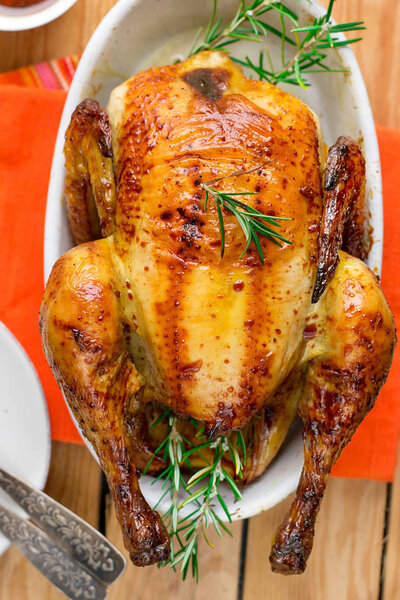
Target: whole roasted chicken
146 312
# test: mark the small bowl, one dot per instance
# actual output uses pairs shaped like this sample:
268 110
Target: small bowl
19 19
137 34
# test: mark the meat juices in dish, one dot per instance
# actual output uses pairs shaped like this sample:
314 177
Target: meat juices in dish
151 312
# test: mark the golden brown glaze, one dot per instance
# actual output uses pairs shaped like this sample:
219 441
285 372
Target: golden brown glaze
190 306
152 316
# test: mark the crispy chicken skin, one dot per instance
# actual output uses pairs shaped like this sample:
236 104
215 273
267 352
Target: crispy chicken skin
212 348
151 315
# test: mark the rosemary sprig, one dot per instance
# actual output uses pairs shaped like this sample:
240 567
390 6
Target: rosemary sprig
251 220
310 42
309 57
218 37
204 500
185 531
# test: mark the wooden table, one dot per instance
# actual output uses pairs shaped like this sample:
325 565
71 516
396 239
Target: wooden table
358 534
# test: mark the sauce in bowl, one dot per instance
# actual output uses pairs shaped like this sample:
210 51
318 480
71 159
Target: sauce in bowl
19 3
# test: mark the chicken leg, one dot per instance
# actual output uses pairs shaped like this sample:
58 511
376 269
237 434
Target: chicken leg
348 364
83 339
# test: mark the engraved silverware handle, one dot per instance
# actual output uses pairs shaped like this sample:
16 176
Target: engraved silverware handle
84 543
50 559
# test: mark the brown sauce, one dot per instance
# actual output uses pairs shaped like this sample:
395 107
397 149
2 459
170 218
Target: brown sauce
310 331
19 3
238 286
193 367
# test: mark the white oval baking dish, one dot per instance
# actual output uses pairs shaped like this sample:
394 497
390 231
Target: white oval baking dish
140 33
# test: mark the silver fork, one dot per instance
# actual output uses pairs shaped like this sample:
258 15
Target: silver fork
73 555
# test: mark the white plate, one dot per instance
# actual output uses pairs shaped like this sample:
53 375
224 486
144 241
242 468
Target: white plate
138 33
24 421
19 19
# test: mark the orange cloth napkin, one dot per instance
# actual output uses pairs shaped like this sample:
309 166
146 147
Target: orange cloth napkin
28 125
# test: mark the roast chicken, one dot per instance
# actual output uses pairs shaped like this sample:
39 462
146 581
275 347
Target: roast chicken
145 312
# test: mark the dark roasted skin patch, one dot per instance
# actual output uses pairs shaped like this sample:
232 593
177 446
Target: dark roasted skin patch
223 421
209 82
90 114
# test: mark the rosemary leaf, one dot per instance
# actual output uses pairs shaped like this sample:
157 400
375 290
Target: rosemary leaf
224 507
248 218
233 486
198 476
216 524
161 498
203 530
242 444
221 226
193 497
221 523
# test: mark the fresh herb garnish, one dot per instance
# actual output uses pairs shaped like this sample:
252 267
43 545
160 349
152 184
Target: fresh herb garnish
177 451
251 220
309 43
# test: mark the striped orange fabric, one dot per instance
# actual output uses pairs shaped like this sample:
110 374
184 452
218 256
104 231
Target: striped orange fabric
54 75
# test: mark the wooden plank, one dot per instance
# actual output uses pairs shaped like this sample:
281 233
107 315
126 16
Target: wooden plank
391 573
74 480
218 567
345 562
378 54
